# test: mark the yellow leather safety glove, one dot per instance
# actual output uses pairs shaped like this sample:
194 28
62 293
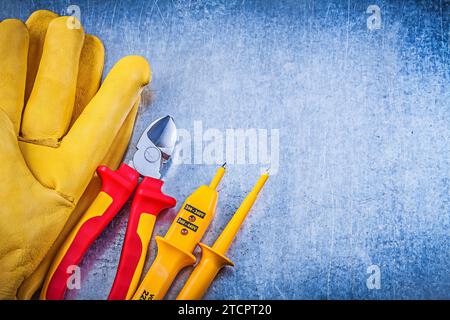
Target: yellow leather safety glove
56 127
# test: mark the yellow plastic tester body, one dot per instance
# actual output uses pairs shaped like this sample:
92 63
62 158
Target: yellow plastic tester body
214 258
176 248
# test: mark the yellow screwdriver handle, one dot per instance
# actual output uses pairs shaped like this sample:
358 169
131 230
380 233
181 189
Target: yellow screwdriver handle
176 248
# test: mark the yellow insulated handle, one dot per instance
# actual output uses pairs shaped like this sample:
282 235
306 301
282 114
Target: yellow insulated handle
144 231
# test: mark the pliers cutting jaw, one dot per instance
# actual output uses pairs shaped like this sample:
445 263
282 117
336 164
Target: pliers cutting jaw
155 147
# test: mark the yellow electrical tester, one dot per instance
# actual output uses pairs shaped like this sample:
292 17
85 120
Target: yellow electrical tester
176 248
214 258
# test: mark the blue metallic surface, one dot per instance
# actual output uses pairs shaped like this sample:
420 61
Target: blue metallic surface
364 149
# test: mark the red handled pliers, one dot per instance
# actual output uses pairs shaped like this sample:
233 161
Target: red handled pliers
153 150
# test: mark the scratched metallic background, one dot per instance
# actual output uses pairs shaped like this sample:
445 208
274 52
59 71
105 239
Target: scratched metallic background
364 124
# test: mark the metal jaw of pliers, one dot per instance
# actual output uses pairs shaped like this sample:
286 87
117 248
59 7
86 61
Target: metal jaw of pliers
155 147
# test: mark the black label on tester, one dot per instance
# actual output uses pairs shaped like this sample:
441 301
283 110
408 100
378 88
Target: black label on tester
187 224
195 211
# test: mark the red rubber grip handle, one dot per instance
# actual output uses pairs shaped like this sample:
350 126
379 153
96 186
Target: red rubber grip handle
149 199
118 185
